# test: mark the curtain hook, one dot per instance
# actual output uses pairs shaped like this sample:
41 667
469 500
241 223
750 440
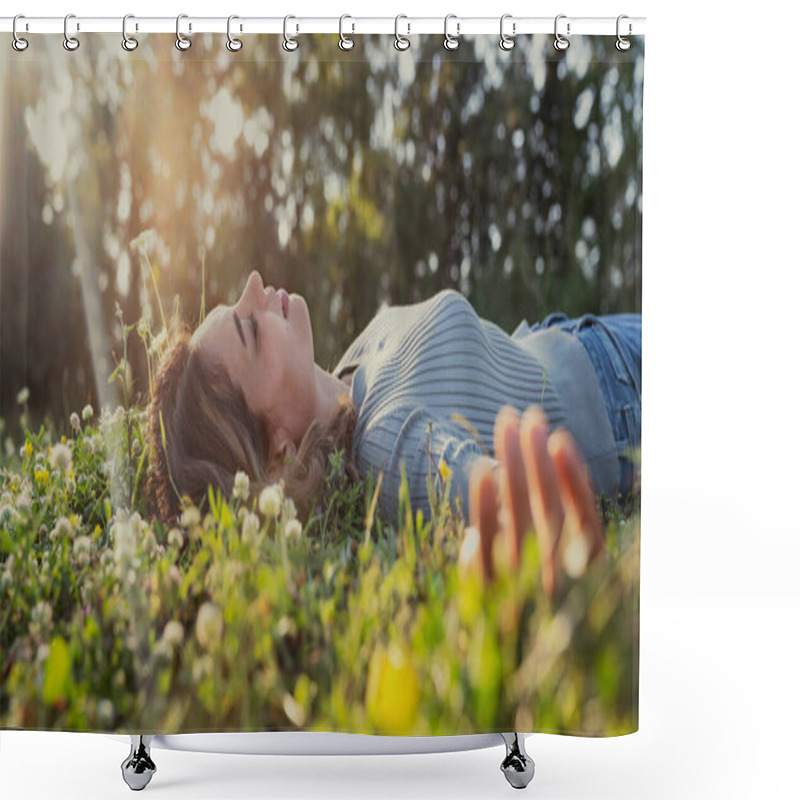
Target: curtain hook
18 43
560 42
400 42
233 44
507 42
622 42
451 42
129 43
70 42
345 43
181 41
290 44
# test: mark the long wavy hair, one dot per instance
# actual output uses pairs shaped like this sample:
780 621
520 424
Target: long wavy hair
202 433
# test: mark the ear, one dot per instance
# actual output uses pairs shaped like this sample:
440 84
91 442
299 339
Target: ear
282 447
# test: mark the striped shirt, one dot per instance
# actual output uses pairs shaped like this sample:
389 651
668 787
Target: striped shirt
429 379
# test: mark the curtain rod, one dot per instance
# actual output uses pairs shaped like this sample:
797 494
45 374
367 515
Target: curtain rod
456 26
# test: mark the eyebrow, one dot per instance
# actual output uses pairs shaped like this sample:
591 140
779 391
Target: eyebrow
239 329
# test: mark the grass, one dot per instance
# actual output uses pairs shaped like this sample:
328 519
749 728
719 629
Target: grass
242 619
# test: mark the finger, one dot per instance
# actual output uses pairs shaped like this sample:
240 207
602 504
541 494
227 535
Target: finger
576 489
483 514
516 506
544 492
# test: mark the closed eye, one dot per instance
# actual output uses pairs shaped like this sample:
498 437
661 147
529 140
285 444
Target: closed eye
255 328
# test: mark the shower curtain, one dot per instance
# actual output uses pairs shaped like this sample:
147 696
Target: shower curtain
468 213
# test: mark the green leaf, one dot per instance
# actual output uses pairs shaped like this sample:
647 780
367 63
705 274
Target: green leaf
90 630
6 542
56 672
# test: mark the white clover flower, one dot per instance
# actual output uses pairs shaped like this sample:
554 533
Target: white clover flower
74 421
23 501
61 530
270 500
208 627
150 544
173 633
109 420
42 653
293 529
158 342
61 458
23 395
144 240
289 509
241 485
82 549
41 619
190 517
202 668
6 513
87 413
250 528
175 538
88 446
105 712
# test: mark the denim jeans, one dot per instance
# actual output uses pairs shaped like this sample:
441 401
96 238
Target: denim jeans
614 344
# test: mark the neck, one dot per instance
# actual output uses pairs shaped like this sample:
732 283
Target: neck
329 390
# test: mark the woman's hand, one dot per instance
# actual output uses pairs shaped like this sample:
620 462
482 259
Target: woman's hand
542 483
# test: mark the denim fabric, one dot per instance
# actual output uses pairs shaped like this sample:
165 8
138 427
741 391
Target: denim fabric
614 344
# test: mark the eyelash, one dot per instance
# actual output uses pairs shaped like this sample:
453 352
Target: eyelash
255 327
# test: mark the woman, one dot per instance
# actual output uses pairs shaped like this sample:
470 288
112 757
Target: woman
421 387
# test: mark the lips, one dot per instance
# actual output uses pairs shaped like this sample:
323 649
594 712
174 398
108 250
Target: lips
284 298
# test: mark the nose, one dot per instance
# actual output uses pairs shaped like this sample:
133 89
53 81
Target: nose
253 290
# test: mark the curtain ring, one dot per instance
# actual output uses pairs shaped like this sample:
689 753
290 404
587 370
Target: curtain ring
128 42
345 43
181 41
233 44
622 42
507 42
560 42
18 43
400 42
70 42
290 44
451 42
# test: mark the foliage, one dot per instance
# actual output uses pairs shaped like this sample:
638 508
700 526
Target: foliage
350 178
245 619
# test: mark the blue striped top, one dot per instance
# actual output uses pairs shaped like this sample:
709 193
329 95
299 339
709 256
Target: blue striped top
429 379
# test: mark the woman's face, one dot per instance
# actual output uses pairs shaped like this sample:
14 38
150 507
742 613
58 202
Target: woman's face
268 351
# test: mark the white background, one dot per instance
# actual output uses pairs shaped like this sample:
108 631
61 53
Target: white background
720 607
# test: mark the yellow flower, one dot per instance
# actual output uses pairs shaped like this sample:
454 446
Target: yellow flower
444 470
392 689
63 440
28 449
42 477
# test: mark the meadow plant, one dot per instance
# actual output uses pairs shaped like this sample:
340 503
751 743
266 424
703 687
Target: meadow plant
244 617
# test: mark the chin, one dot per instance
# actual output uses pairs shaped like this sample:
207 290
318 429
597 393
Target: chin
299 306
